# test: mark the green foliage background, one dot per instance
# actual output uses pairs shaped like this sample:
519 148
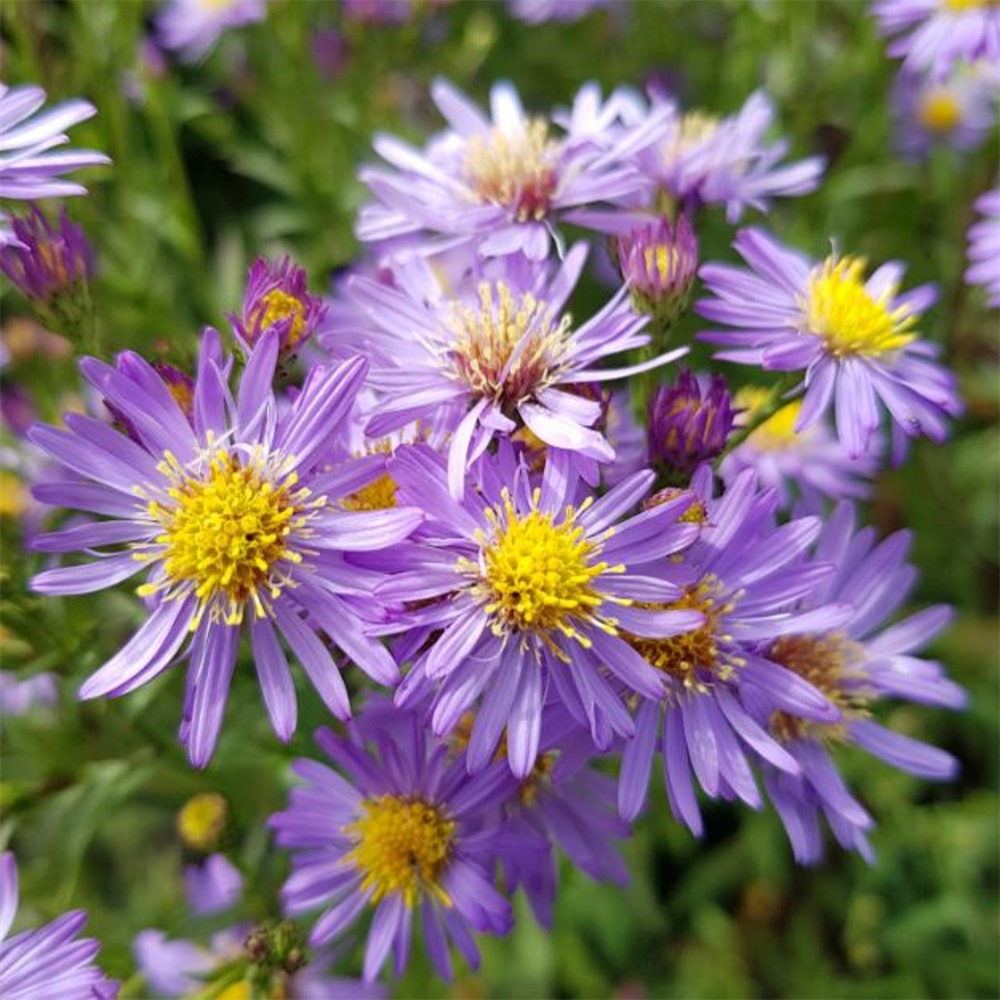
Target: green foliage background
256 151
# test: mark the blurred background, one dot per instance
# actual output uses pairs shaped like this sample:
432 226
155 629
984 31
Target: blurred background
254 150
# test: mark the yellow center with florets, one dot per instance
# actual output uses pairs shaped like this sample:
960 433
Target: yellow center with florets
696 657
536 577
843 312
227 534
509 348
517 170
202 820
403 847
939 110
834 666
380 494
277 307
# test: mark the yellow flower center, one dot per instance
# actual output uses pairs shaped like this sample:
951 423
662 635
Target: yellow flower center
403 846
960 6
689 656
842 311
939 111
202 819
226 534
275 307
777 433
486 341
833 665
377 495
14 495
536 577
516 170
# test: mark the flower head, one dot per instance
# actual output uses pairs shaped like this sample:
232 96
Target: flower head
688 423
402 827
277 298
934 35
502 356
744 577
50 961
45 260
984 247
808 464
498 183
539 593
958 111
192 27
856 665
236 525
30 167
854 337
705 160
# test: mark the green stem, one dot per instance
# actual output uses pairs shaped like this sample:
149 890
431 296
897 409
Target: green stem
774 401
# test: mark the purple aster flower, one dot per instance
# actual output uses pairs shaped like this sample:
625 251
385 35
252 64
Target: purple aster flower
499 183
984 247
659 261
743 577
856 664
704 160
854 338
30 166
958 111
689 422
810 464
236 524
531 593
19 695
506 358
540 11
192 27
45 259
50 962
277 298
935 34
404 827
212 885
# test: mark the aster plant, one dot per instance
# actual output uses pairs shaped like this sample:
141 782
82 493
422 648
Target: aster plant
537 584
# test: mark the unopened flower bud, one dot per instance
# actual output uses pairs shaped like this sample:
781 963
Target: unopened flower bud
52 264
688 423
659 261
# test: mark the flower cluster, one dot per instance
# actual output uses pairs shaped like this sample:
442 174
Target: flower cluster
511 587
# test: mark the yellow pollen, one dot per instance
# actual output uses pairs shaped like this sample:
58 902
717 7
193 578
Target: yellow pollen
226 535
692 658
939 111
834 666
516 170
377 495
202 820
536 577
777 433
403 846
841 310
697 513
487 339
277 306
